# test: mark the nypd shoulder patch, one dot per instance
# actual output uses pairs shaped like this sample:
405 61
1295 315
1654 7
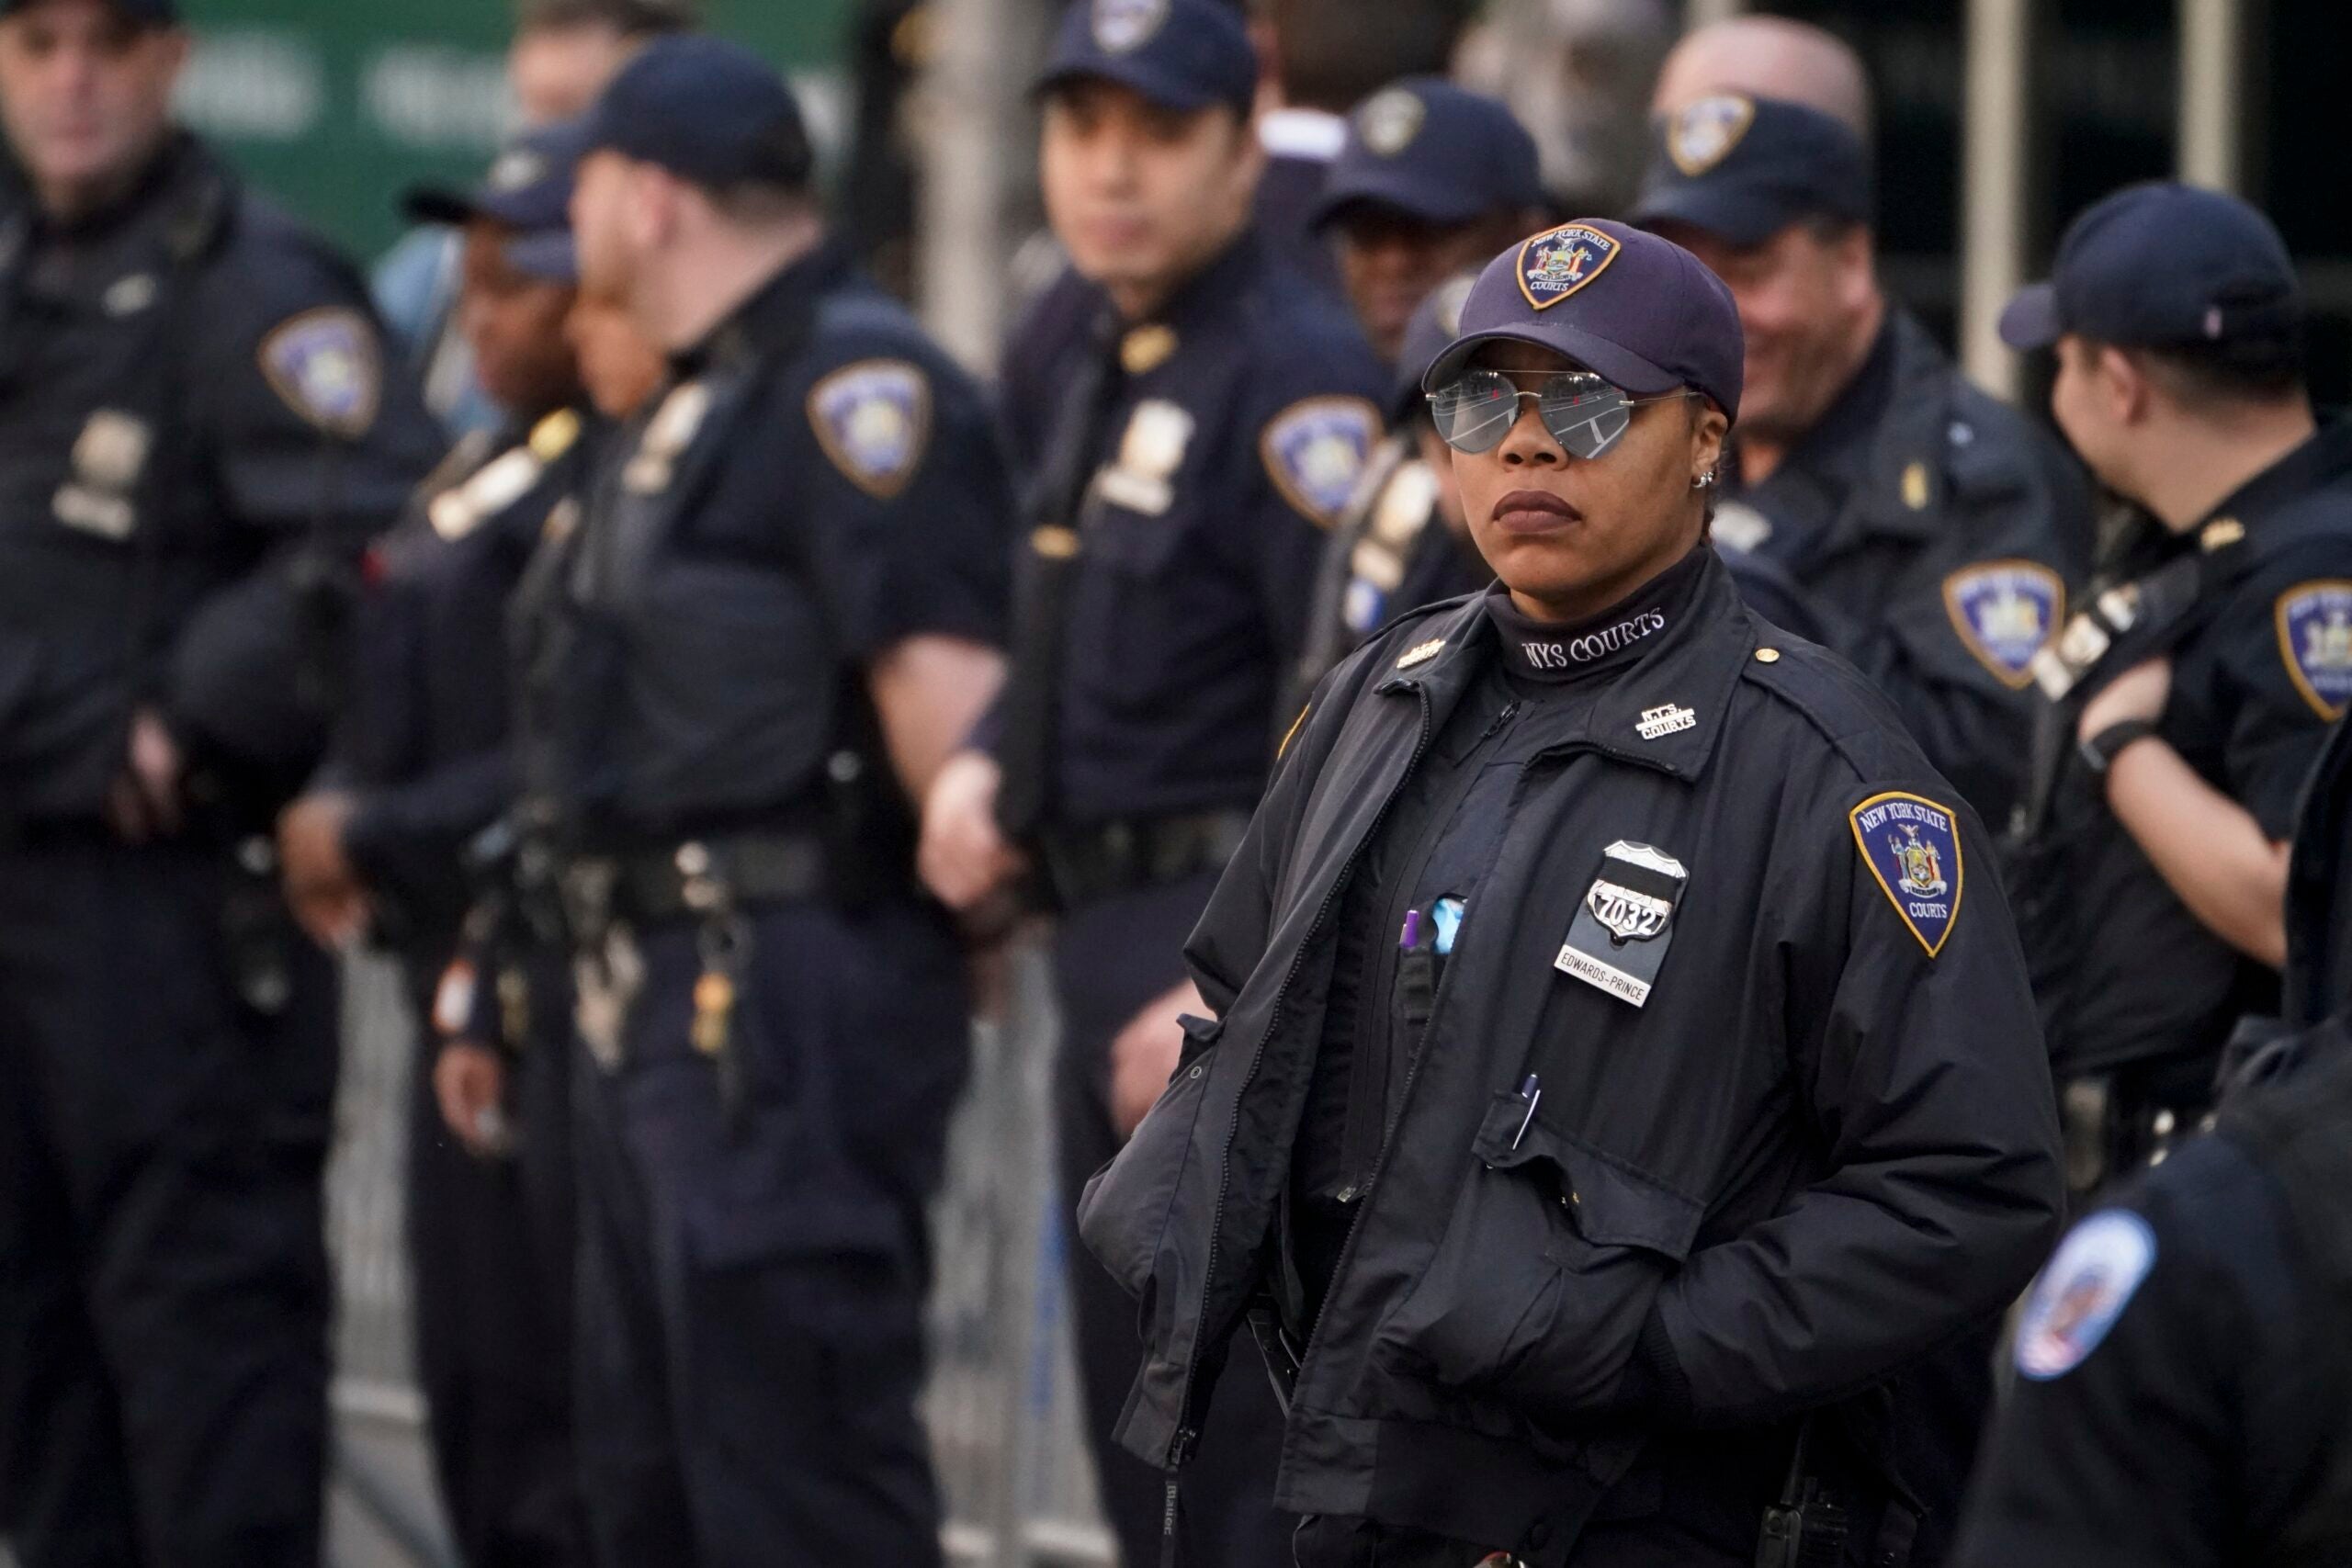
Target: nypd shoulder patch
2006 611
1556 263
1912 846
2315 639
328 366
873 419
2082 1291
1316 450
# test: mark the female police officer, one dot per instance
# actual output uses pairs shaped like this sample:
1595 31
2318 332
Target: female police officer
1623 1069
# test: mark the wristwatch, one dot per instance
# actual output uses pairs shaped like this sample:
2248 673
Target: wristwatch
2101 750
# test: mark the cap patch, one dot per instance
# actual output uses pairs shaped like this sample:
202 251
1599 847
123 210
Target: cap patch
326 367
1316 450
1702 134
873 419
1390 119
2315 638
2082 1291
2006 612
1912 846
517 169
1558 261
1122 26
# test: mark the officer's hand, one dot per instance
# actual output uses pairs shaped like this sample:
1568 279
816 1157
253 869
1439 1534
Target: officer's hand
144 801
964 857
322 886
2138 693
470 1082
1143 1059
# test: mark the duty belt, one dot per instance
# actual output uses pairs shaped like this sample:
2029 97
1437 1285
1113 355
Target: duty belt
648 886
1080 865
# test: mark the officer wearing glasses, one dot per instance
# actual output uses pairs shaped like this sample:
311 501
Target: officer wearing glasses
1619 1064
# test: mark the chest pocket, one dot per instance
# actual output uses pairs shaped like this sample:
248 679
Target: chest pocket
1540 1284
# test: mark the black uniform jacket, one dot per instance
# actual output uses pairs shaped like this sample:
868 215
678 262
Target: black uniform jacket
1824 1145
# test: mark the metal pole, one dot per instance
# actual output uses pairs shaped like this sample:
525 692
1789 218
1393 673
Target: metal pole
970 129
1996 133
2213 71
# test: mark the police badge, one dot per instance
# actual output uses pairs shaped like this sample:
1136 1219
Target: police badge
1315 451
1558 261
1621 934
2315 638
873 419
2006 612
1912 846
1703 133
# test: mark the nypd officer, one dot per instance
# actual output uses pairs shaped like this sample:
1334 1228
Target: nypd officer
1618 1064
420 767
1215 425
1934 531
196 441
2191 694
778 620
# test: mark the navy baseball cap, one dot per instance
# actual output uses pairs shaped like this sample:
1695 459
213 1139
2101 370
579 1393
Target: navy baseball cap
1434 324
710 112
146 13
1634 308
1179 54
2161 265
1429 150
1743 169
528 186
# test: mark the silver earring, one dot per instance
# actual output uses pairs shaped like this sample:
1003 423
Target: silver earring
1704 481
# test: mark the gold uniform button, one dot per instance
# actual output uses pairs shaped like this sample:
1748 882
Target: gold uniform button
1767 656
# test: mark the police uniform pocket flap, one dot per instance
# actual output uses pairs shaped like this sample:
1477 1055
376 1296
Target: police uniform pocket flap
1610 1203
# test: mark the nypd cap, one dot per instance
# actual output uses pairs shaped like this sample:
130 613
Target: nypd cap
1634 308
1743 169
2162 265
710 112
1431 150
528 187
1179 54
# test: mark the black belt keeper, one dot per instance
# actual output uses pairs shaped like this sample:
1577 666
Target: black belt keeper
1079 865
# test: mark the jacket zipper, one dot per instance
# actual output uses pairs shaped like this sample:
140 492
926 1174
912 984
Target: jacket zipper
1181 1449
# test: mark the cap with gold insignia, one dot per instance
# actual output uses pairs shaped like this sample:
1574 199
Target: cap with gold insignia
1426 149
1179 54
1742 169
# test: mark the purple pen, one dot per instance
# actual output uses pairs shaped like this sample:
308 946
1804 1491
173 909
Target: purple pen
1412 936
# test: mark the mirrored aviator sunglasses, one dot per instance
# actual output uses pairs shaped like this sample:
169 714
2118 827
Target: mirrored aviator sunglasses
1584 415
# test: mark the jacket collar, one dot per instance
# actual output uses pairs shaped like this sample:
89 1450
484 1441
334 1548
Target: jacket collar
1663 711
774 320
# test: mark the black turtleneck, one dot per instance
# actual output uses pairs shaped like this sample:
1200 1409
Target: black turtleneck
1437 841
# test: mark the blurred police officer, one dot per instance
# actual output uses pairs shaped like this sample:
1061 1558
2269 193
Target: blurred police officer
1934 530
420 768
199 440
778 620
1215 425
1619 1069
2191 694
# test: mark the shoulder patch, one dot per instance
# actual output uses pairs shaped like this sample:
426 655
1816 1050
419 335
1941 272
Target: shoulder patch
2006 612
327 365
1556 263
1315 451
2315 639
1912 846
2082 1291
873 419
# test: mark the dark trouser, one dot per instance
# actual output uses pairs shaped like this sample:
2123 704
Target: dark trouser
750 1289
1111 958
492 1243
164 1291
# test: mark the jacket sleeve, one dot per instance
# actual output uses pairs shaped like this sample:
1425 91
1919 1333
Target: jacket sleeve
1925 1076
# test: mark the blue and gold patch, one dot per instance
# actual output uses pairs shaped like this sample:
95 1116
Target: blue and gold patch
2006 611
1558 261
326 366
1316 450
2315 638
1912 846
2083 1290
873 419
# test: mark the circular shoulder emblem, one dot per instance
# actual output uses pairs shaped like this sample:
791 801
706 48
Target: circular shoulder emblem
2082 1291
